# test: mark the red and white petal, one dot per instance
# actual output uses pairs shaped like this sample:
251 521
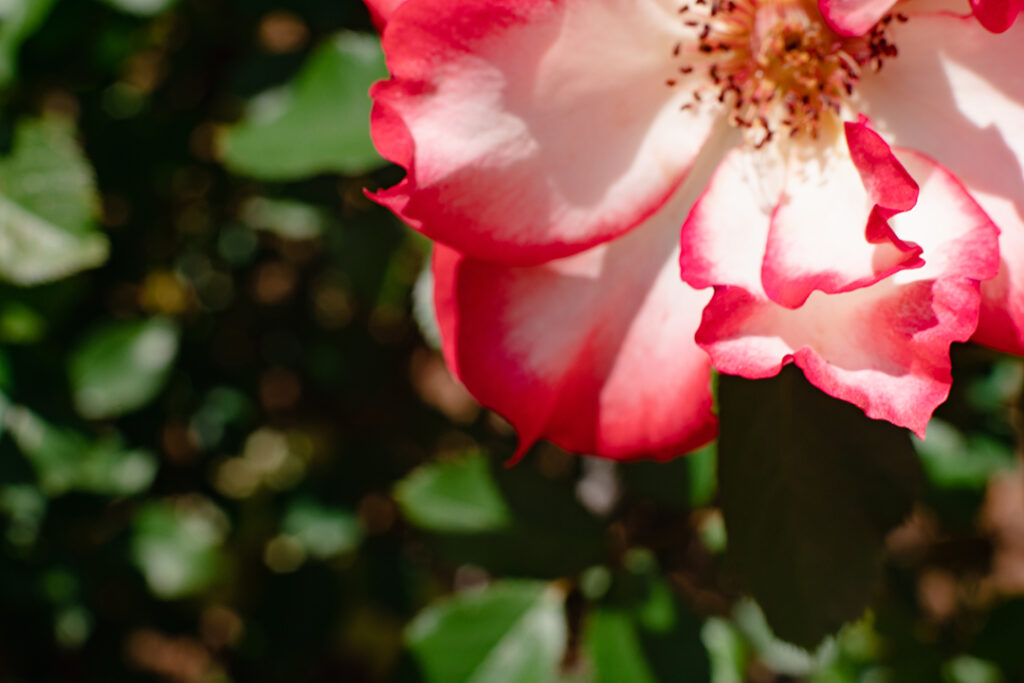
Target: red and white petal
884 348
853 17
829 232
536 129
956 93
381 11
594 352
997 15
815 220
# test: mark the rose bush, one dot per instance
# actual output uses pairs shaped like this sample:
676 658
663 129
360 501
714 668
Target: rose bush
627 193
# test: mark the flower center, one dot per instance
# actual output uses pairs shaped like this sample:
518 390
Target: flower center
775 63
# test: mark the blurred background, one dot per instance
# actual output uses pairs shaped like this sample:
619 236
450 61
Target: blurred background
230 451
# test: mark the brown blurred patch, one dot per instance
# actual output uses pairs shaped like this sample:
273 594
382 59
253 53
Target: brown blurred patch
439 389
282 31
179 443
181 658
273 283
377 513
279 389
1002 516
220 627
937 593
165 293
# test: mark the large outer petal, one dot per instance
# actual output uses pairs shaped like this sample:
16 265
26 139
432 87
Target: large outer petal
884 348
812 218
534 129
956 92
594 352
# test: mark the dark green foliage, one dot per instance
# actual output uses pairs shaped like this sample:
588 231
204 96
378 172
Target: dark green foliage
809 489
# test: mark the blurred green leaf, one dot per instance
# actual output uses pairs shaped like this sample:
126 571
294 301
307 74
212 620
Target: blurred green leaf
320 123
615 650
679 484
952 460
286 218
121 366
48 200
727 651
20 324
323 532
458 496
142 8
508 632
510 521
965 669
809 488
641 632
18 20
66 460
177 547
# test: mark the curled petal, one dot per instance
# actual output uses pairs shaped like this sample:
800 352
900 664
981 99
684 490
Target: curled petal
853 17
956 93
815 220
884 348
997 15
537 129
594 352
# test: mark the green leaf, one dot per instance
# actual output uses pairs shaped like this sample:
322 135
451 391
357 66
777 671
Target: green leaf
510 521
616 652
318 124
458 496
121 366
178 547
285 217
47 203
641 632
66 460
809 488
323 532
954 461
509 632
142 8
18 20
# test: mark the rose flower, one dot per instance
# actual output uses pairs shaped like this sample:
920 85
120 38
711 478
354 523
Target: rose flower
627 193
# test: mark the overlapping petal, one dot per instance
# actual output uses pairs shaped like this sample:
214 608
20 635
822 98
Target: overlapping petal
594 352
853 17
956 93
536 129
884 348
813 218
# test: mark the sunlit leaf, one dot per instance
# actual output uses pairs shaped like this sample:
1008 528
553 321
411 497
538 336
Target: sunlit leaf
121 366
319 123
143 8
48 201
285 218
508 632
809 488
456 496
18 20
65 460
952 460
322 531
177 547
